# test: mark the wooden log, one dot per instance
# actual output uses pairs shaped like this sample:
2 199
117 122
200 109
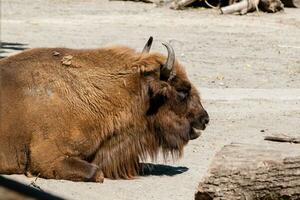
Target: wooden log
270 171
242 6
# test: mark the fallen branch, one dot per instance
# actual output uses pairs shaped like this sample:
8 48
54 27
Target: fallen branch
33 183
283 138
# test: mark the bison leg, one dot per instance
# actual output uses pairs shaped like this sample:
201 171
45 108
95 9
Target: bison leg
72 168
48 162
13 158
75 169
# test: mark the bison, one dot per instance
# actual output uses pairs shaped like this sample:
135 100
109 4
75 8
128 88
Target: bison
86 114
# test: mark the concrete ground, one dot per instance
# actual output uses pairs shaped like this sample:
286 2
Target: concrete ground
247 69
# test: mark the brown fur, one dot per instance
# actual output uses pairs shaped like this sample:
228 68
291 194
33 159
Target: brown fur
99 113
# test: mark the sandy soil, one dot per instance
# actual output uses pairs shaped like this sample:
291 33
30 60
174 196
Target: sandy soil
247 69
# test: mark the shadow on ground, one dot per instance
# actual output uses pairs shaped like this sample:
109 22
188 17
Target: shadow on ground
149 169
7 47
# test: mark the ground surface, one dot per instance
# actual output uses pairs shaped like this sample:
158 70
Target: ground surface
247 69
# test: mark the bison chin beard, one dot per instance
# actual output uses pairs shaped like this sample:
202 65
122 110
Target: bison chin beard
120 155
172 132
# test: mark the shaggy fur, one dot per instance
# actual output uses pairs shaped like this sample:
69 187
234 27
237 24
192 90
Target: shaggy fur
85 114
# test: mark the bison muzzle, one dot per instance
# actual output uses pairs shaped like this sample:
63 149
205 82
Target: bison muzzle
83 115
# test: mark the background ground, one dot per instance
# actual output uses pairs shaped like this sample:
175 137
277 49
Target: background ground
247 69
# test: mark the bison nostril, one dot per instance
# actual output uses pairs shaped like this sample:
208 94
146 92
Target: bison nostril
206 120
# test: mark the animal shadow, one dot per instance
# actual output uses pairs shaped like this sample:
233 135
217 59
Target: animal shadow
7 47
149 169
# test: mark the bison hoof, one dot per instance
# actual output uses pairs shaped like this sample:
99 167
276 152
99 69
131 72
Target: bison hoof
99 177
95 174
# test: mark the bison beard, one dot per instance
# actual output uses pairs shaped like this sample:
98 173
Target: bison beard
119 155
84 114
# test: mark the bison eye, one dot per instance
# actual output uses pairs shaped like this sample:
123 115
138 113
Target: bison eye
182 95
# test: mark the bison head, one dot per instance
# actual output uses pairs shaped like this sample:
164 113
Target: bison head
168 116
175 114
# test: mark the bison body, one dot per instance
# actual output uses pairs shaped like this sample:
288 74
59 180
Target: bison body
84 114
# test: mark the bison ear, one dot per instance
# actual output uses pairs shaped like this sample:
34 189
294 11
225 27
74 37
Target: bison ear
148 45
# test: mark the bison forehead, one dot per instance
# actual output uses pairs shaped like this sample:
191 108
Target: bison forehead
181 84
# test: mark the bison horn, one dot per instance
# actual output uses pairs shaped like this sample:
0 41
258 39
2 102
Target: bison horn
148 45
168 66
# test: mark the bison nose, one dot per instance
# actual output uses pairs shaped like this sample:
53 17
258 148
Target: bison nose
201 121
205 118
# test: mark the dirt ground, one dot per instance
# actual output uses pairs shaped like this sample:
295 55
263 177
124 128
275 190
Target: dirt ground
247 69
